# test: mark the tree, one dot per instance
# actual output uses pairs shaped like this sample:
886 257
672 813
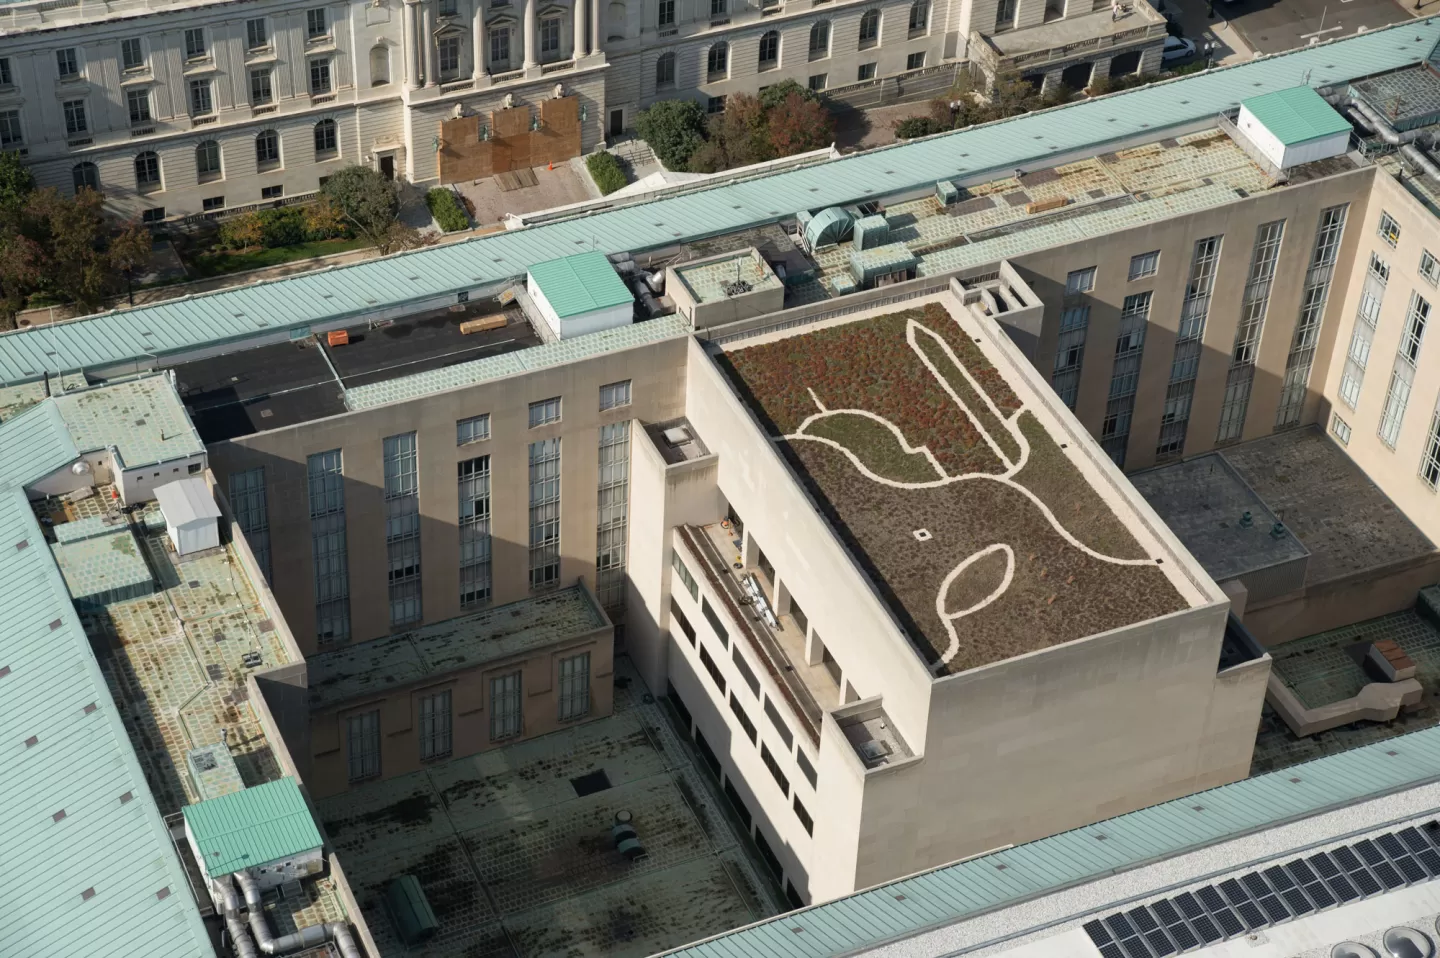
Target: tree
742 131
776 94
674 129
323 219
798 124
16 183
913 126
371 204
80 258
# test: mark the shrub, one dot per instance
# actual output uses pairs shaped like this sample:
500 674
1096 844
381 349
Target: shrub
282 227
1194 66
674 129
913 126
777 93
285 226
606 171
446 210
242 232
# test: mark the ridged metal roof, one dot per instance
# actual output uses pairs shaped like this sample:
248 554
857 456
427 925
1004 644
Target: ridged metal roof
335 294
956 892
252 827
34 444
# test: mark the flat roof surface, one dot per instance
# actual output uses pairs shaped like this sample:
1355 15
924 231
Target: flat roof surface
1203 501
252 390
426 341
251 827
707 282
454 644
1342 517
579 284
1296 115
516 862
239 313
102 568
1082 29
935 469
143 418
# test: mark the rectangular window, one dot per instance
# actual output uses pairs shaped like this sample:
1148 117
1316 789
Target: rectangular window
717 8
216 203
544 412
1429 267
1415 321
271 192
435 725
1194 311
10 134
686 628
247 500
745 723
575 687
807 768
715 674
260 89
132 54
805 821
544 513
1315 293
474 429
915 61
67 64
613 515
817 81
1379 268
195 47
75 123
1070 352
500 46
1340 428
1144 264
448 8
1080 281
362 741
773 714
614 395
774 768
319 77
448 56
6 77
505 706
715 623
402 528
139 103
686 579
747 674
549 36
316 25
1430 463
328 546
475 577
866 72
256 37
666 14
1253 304
200 101
1389 230
1362 337
801 620
1397 396
764 848
736 801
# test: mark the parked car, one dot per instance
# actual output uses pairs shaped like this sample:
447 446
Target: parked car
1177 48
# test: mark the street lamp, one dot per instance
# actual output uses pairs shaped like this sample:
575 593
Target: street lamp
1209 53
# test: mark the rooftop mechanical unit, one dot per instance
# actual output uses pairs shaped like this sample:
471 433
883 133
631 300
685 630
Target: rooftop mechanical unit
1294 126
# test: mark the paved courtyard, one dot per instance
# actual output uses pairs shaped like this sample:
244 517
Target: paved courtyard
558 187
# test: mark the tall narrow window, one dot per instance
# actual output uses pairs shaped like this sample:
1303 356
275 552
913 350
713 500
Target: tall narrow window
448 56
67 64
402 528
85 176
869 29
147 170
1194 310
261 91
1253 304
316 24
505 708
614 514
1397 397
683 573
769 49
1070 353
1415 321
1430 462
75 121
665 71
207 161
820 40
195 46
1125 377
544 513
201 103
325 142
132 54
550 37
435 724
1362 335
252 515
12 136
665 14
575 687
327 542
919 16
1312 310
362 742
256 36
718 61
138 102
475 588
319 76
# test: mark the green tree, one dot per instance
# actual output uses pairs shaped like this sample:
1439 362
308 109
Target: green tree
797 124
371 205
16 183
674 129
776 94
80 257
738 137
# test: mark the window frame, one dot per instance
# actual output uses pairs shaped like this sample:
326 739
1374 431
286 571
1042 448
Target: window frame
1080 281
1143 265
261 82
311 16
322 81
541 414
67 63
257 34
1429 267
76 122
507 706
125 47
478 427
141 98
201 97
435 721
196 46
574 688
362 746
1388 229
618 396
326 136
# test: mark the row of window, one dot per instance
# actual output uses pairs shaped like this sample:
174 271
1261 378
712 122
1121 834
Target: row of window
717 61
208 166
436 717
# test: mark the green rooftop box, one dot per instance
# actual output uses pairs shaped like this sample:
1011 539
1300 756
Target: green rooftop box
1293 126
579 284
266 830
410 910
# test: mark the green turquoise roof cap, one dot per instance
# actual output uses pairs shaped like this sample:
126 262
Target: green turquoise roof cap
248 828
1296 115
580 284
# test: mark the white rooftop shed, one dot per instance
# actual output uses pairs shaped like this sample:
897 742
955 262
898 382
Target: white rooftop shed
191 515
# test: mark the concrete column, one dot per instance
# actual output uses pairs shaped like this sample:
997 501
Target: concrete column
429 41
479 40
814 648
579 14
530 32
594 25
410 56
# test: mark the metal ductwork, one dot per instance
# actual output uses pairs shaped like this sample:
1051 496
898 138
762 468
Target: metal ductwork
1382 126
230 906
1427 166
336 931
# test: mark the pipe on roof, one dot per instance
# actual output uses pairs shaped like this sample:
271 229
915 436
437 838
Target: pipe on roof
1427 166
1382 126
230 906
308 937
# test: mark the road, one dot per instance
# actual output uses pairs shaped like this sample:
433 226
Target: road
1270 26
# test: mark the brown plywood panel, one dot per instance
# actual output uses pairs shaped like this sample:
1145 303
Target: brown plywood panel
512 122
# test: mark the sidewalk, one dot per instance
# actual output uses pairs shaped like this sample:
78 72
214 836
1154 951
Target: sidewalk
1198 26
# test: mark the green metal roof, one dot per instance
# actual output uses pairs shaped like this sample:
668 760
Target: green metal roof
248 828
142 418
347 293
578 284
1296 115
34 444
964 890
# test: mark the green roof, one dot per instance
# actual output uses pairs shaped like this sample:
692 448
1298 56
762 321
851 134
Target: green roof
580 284
1296 115
251 827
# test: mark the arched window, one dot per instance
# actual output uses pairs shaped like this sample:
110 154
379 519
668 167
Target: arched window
919 16
718 61
325 142
207 161
770 50
379 65
267 150
86 177
820 40
665 71
869 29
147 172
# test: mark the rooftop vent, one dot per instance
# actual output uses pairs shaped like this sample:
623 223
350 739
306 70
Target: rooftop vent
677 436
874 751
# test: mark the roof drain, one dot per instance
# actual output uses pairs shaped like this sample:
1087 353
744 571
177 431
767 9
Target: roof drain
239 937
336 931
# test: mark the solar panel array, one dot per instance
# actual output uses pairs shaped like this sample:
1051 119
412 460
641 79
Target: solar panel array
1271 896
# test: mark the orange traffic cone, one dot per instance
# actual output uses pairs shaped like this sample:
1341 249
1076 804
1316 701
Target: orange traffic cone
551 167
